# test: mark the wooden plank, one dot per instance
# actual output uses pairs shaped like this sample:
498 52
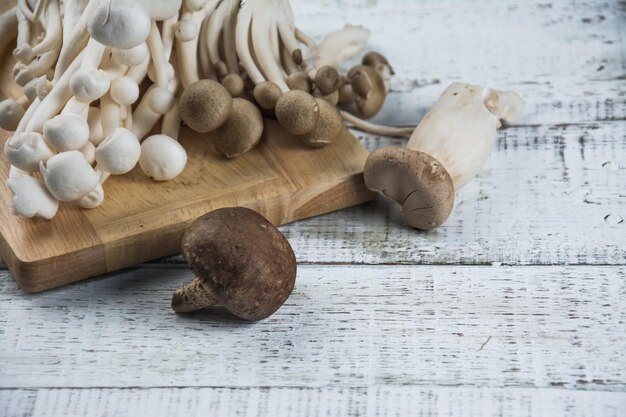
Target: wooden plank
548 195
540 327
142 219
323 401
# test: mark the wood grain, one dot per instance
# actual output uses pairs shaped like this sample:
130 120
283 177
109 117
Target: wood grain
539 327
387 401
142 219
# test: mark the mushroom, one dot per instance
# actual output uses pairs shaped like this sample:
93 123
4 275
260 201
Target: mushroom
241 261
24 150
241 131
11 112
327 128
446 150
369 89
266 94
31 197
66 132
298 112
119 24
68 176
341 45
205 105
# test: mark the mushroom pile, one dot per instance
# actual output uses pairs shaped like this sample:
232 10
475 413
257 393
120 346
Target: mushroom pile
100 77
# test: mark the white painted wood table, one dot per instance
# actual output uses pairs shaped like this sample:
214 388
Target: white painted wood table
515 307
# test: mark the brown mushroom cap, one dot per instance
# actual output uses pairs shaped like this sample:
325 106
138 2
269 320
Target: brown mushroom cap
377 61
328 127
298 81
241 131
233 83
266 94
297 112
332 98
241 261
205 105
328 79
369 89
415 180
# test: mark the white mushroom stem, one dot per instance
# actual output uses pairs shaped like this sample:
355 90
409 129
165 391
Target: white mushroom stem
24 8
144 118
244 21
110 115
374 128
55 100
311 46
74 43
187 50
52 39
155 45
171 122
49 47
168 34
229 36
215 28
261 40
341 45
460 130
22 49
72 12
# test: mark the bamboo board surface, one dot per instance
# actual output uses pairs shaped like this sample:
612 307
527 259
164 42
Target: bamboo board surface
142 219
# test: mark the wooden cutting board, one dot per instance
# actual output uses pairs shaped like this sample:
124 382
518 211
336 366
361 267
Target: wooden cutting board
142 220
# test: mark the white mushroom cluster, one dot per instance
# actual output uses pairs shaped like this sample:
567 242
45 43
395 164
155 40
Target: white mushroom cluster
107 84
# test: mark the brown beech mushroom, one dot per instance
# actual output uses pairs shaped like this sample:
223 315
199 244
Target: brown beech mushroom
266 94
299 81
380 63
234 84
297 111
327 80
369 89
241 261
205 105
328 127
241 131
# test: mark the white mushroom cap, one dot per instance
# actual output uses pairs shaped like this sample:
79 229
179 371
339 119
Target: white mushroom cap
95 127
132 56
69 176
124 90
93 199
119 152
11 112
162 158
44 86
31 197
30 89
66 132
26 150
160 100
89 84
160 9
22 74
186 30
195 5
119 24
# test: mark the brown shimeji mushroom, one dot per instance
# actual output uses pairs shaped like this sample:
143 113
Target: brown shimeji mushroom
205 105
241 262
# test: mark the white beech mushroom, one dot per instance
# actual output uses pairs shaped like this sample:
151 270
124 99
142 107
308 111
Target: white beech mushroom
446 150
31 197
68 176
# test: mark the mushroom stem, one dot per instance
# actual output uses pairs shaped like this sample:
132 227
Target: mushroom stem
244 22
261 40
311 50
341 45
75 42
374 128
23 35
229 36
192 296
52 39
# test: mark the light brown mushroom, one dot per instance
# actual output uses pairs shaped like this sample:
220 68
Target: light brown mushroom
234 84
380 63
266 94
415 180
241 261
328 127
368 88
299 81
205 105
241 131
332 98
327 79
297 112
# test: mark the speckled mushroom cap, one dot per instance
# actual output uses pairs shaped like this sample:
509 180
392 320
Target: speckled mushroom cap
242 131
415 180
240 257
205 105
329 126
297 111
